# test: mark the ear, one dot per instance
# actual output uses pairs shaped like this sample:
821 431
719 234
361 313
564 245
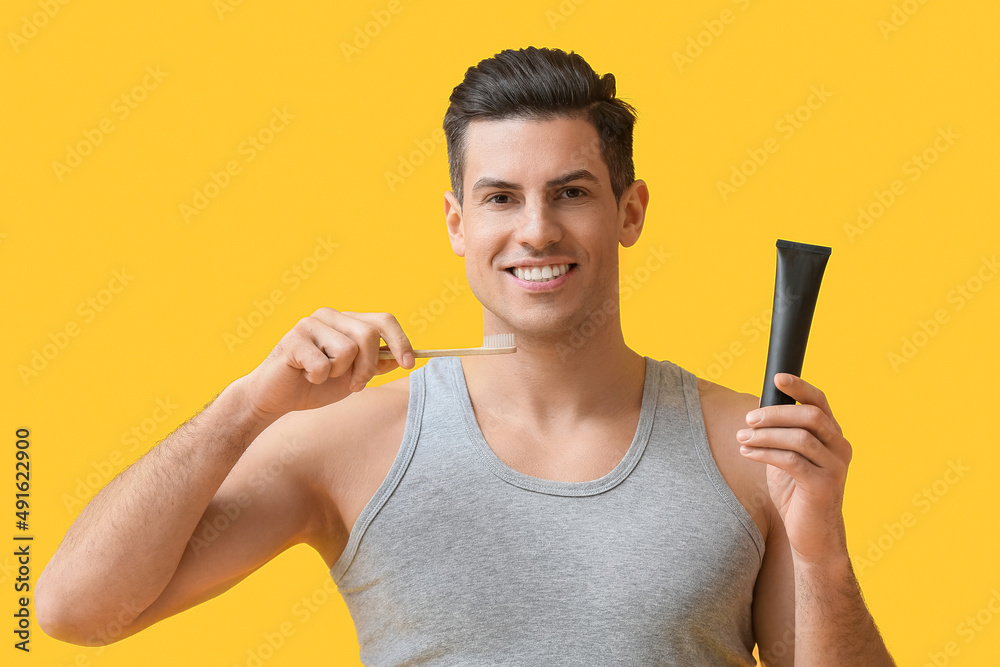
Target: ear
632 212
453 221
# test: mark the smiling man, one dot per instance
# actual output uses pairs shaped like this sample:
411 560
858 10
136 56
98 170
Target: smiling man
538 508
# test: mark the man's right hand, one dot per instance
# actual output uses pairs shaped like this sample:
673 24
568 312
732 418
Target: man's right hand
323 359
132 546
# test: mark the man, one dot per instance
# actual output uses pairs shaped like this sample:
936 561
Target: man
545 507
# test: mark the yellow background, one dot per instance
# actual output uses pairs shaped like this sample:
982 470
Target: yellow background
359 115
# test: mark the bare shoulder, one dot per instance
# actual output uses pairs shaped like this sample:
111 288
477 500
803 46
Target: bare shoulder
350 447
724 411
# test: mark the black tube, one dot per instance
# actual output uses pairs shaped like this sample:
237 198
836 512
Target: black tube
796 286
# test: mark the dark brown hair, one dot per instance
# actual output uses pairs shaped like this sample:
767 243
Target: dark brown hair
541 84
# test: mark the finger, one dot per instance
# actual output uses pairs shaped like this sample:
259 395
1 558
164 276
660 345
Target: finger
810 417
317 343
389 330
300 352
392 333
315 365
803 392
796 465
363 335
814 480
793 440
367 330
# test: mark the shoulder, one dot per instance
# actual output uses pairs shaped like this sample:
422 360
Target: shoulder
348 448
358 417
350 427
724 411
774 593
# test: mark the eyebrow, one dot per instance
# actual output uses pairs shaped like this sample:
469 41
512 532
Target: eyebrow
577 175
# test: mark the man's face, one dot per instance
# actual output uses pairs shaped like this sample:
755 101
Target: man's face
539 226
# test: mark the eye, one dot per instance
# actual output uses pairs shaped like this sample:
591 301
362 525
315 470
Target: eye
573 193
498 198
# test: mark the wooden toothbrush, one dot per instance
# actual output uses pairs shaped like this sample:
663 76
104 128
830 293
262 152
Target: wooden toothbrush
495 344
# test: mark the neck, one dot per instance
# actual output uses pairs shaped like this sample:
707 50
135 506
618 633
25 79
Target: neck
556 379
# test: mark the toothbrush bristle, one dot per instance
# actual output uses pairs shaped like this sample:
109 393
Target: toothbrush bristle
499 341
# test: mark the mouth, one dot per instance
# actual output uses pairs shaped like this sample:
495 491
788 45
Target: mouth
540 274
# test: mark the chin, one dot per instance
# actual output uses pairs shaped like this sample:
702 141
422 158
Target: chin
538 324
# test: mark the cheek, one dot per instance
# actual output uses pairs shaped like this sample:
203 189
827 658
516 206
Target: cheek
482 246
479 254
479 279
602 244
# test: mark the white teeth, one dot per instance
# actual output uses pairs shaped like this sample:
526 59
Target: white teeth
539 274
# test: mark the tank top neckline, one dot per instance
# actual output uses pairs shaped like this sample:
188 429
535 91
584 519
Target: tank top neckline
549 486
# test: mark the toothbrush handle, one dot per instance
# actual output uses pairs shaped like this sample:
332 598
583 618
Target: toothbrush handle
451 352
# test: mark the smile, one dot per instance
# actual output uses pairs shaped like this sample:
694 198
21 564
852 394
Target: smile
540 274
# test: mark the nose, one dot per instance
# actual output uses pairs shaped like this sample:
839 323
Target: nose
537 226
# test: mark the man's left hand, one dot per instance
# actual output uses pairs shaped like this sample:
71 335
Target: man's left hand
807 457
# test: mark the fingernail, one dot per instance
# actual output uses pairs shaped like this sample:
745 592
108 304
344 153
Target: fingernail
407 359
744 434
783 379
754 416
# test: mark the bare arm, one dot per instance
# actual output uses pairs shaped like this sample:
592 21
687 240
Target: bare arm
834 624
123 549
808 606
139 551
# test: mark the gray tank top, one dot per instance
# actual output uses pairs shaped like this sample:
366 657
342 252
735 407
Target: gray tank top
459 559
